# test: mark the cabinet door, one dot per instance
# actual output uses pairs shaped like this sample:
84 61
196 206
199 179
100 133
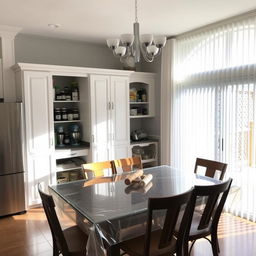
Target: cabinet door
120 125
39 171
39 132
100 115
38 112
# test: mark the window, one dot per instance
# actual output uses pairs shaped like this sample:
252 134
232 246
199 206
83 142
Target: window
215 105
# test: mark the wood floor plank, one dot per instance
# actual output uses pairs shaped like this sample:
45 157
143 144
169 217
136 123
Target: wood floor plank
29 235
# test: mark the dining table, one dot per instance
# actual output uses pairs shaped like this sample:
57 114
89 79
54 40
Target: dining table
111 212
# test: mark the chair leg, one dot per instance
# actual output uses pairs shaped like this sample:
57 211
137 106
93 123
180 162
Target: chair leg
215 244
185 249
55 249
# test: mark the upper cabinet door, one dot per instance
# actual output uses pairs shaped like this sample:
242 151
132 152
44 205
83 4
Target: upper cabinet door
100 105
38 98
120 125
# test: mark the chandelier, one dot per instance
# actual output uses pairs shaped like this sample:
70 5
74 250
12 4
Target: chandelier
133 45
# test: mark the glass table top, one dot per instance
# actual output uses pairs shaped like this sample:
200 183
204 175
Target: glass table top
111 198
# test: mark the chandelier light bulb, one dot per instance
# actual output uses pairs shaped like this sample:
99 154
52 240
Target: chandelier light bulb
113 43
160 41
146 39
120 51
127 39
152 50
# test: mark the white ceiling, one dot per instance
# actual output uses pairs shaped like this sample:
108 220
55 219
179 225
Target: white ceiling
95 20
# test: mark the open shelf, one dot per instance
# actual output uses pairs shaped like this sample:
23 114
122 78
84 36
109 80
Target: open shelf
65 101
138 103
141 116
71 121
148 160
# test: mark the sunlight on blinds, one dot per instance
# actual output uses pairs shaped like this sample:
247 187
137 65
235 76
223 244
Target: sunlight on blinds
215 106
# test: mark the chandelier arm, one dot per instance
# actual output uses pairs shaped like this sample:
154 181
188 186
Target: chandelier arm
128 51
145 55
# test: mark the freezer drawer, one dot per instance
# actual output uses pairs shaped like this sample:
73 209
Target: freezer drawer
12 195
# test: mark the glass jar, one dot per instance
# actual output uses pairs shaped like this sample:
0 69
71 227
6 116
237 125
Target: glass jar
57 114
58 95
75 91
67 93
70 115
63 96
76 115
64 114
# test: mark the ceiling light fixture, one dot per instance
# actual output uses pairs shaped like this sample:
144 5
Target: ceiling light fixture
133 44
51 25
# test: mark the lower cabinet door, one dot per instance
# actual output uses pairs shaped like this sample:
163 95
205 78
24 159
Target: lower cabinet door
40 170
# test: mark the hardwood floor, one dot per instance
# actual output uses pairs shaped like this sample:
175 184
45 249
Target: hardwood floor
29 235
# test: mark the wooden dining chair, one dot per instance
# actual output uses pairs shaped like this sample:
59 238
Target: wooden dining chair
212 167
98 168
206 223
128 164
163 241
68 242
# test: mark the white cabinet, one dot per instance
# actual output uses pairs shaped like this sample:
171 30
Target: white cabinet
39 132
104 120
109 117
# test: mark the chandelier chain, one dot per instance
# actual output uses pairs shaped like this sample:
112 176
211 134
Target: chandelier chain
136 11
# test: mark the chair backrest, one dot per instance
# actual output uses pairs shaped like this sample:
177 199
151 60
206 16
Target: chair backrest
98 168
211 167
57 233
128 164
175 212
215 196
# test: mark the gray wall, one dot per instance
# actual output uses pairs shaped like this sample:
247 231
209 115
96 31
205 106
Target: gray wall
44 50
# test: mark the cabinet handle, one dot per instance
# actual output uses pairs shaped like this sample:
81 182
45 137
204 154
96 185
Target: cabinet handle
112 105
109 105
73 154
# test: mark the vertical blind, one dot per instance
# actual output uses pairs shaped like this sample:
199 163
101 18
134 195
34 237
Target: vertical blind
215 105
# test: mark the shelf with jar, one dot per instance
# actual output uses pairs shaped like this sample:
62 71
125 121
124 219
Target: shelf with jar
68 93
147 150
66 101
141 95
66 114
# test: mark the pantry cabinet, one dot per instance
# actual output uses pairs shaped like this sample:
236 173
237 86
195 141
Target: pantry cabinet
103 120
109 117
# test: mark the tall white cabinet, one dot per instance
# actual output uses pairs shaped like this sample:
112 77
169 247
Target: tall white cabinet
109 117
104 112
37 95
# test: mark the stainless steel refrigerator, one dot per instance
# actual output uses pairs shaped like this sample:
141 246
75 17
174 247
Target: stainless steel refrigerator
12 195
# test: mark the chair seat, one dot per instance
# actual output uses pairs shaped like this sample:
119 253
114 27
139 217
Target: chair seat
76 240
135 247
